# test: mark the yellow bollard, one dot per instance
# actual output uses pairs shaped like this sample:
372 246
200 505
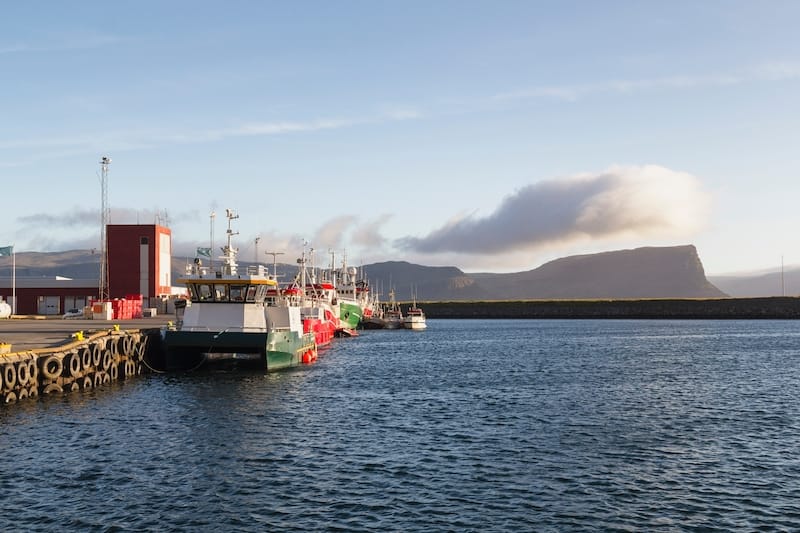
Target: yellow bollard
116 327
79 335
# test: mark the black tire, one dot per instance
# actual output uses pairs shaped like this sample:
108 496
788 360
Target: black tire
52 367
22 373
113 372
33 371
53 388
116 346
33 391
86 382
98 379
9 376
10 397
86 357
97 354
107 358
74 364
22 394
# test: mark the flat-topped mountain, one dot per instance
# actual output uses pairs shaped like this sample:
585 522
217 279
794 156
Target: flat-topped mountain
650 272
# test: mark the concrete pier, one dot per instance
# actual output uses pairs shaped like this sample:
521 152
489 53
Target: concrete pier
56 356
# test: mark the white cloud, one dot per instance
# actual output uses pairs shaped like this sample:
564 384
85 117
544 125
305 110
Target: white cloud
621 203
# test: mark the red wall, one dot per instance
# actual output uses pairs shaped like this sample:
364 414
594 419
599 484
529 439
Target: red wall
124 249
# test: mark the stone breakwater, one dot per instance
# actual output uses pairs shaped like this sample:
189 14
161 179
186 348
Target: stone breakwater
676 308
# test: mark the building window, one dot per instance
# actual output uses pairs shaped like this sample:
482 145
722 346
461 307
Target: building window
143 240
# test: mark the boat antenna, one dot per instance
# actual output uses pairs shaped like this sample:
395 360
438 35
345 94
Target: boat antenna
229 252
274 262
212 216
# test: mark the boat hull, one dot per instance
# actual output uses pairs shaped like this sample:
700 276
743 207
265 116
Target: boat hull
349 315
271 351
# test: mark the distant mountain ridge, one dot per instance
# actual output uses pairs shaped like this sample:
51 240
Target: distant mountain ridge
761 284
648 272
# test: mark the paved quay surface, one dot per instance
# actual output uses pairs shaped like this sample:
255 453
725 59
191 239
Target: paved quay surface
31 333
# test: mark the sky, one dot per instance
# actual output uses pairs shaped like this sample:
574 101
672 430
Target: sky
490 136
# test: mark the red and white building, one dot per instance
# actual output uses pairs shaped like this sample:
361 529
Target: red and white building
139 263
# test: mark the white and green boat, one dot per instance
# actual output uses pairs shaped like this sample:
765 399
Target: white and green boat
348 292
234 316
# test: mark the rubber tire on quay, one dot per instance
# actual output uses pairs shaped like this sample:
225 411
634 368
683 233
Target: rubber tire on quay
9 376
107 358
86 357
22 373
97 354
52 367
33 371
74 364
53 388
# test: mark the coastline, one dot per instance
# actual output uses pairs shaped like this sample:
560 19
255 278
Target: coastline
776 307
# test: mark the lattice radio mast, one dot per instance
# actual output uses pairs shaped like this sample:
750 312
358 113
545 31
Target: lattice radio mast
104 219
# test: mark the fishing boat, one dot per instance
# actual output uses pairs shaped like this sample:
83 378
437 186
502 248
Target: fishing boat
393 315
319 309
347 297
415 317
234 315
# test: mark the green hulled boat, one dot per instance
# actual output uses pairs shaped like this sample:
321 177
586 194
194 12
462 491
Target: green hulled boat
237 316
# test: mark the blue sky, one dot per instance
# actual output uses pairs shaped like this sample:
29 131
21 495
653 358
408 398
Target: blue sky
492 136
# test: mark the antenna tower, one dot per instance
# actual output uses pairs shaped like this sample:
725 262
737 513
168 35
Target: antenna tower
211 217
104 219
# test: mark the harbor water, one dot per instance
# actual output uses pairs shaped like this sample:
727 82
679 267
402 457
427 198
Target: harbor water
503 425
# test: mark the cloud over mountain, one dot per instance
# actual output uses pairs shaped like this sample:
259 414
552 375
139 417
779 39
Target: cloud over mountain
632 201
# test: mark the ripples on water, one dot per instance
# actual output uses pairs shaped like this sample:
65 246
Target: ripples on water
468 426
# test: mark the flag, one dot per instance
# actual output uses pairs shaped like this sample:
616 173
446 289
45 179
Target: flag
6 250
205 252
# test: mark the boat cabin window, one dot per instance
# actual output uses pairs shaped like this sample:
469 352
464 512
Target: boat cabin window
203 292
237 293
251 293
221 292
225 292
190 287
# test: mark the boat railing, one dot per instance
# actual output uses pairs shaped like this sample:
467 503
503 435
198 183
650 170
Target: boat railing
198 270
257 270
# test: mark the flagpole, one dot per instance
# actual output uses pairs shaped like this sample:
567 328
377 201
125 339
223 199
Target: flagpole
14 280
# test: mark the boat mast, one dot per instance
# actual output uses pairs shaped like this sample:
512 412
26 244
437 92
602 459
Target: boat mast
274 263
229 252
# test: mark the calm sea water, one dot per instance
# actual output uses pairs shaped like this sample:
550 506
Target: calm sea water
502 425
